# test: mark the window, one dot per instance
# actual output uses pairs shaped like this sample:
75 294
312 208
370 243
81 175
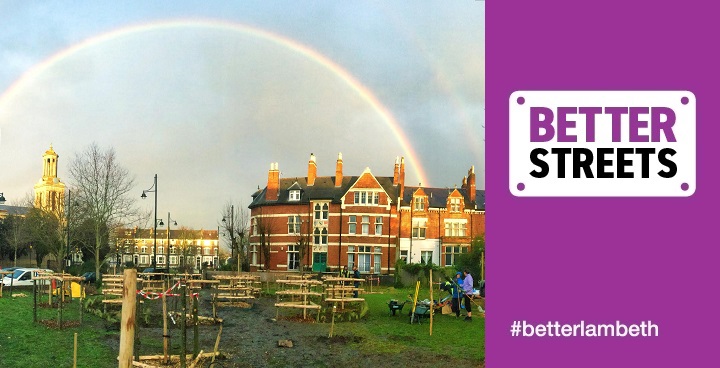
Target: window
418 229
367 197
143 250
419 203
378 225
144 260
454 204
161 250
160 259
366 225
320 236
351 257
293 224
294 195
368 258
404 255
293 257
321 212
352 225
173 250
426 256
173 260
253 224
456 228
452 252
127 249
206 251
254 253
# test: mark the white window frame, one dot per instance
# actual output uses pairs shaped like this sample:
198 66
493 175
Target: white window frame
365 225
352 224
294 195
378 225
294 225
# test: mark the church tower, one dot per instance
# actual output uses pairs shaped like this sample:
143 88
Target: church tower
49 191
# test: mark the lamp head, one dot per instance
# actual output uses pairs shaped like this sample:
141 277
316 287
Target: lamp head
161 223
143 196
223 220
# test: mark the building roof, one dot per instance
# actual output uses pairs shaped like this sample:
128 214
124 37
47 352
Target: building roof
14 210
162 233
323 189
437 197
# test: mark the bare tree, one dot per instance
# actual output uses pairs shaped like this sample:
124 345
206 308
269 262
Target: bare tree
185 247
265 226
236 224
103 188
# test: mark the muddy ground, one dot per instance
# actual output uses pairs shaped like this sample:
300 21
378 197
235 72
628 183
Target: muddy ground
250 339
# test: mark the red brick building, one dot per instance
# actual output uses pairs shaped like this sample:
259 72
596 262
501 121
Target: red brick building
324 223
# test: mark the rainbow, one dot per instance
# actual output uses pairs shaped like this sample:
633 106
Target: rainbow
366 94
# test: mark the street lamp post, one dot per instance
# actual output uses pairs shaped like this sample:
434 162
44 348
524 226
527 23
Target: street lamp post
153 189
167 260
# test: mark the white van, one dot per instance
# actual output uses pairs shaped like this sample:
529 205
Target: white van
24 276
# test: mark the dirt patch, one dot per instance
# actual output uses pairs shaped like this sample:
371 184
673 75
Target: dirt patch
250 339
53 323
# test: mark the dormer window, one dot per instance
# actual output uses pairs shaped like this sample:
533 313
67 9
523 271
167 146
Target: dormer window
454 204
419 203
294 195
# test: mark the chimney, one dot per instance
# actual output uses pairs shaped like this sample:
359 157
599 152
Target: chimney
312 170
273 185
338 171
471 184
396 171
464 182
401 177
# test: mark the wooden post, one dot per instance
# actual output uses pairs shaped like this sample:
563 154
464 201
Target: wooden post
60 304
49 293
217 345
75 352
127 321
482 266
137 328
183 320
34 300
82 293
432 302
196 335
166 337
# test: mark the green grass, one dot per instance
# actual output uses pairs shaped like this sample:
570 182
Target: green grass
384 333
24 343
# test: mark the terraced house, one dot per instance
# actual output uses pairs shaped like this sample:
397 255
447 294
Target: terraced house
194 249
323 223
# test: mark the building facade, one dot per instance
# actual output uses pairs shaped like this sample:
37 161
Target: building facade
325 223
183 248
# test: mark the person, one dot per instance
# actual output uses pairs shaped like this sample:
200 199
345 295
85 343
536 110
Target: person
467 288
356 275
344 272
456 287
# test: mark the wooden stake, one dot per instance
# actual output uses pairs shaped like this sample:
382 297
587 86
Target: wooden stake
432 302
127 321
75 352
166 337
197 359
35 300
183 322
482 266
217 345
196 334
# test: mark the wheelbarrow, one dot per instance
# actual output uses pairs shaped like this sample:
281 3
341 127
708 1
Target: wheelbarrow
422 310
396 306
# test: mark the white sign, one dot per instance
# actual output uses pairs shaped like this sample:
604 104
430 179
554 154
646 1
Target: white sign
602 143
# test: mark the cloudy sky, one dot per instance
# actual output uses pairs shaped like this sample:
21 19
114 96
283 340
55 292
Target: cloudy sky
206 94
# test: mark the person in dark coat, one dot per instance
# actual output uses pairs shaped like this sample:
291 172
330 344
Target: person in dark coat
356 274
